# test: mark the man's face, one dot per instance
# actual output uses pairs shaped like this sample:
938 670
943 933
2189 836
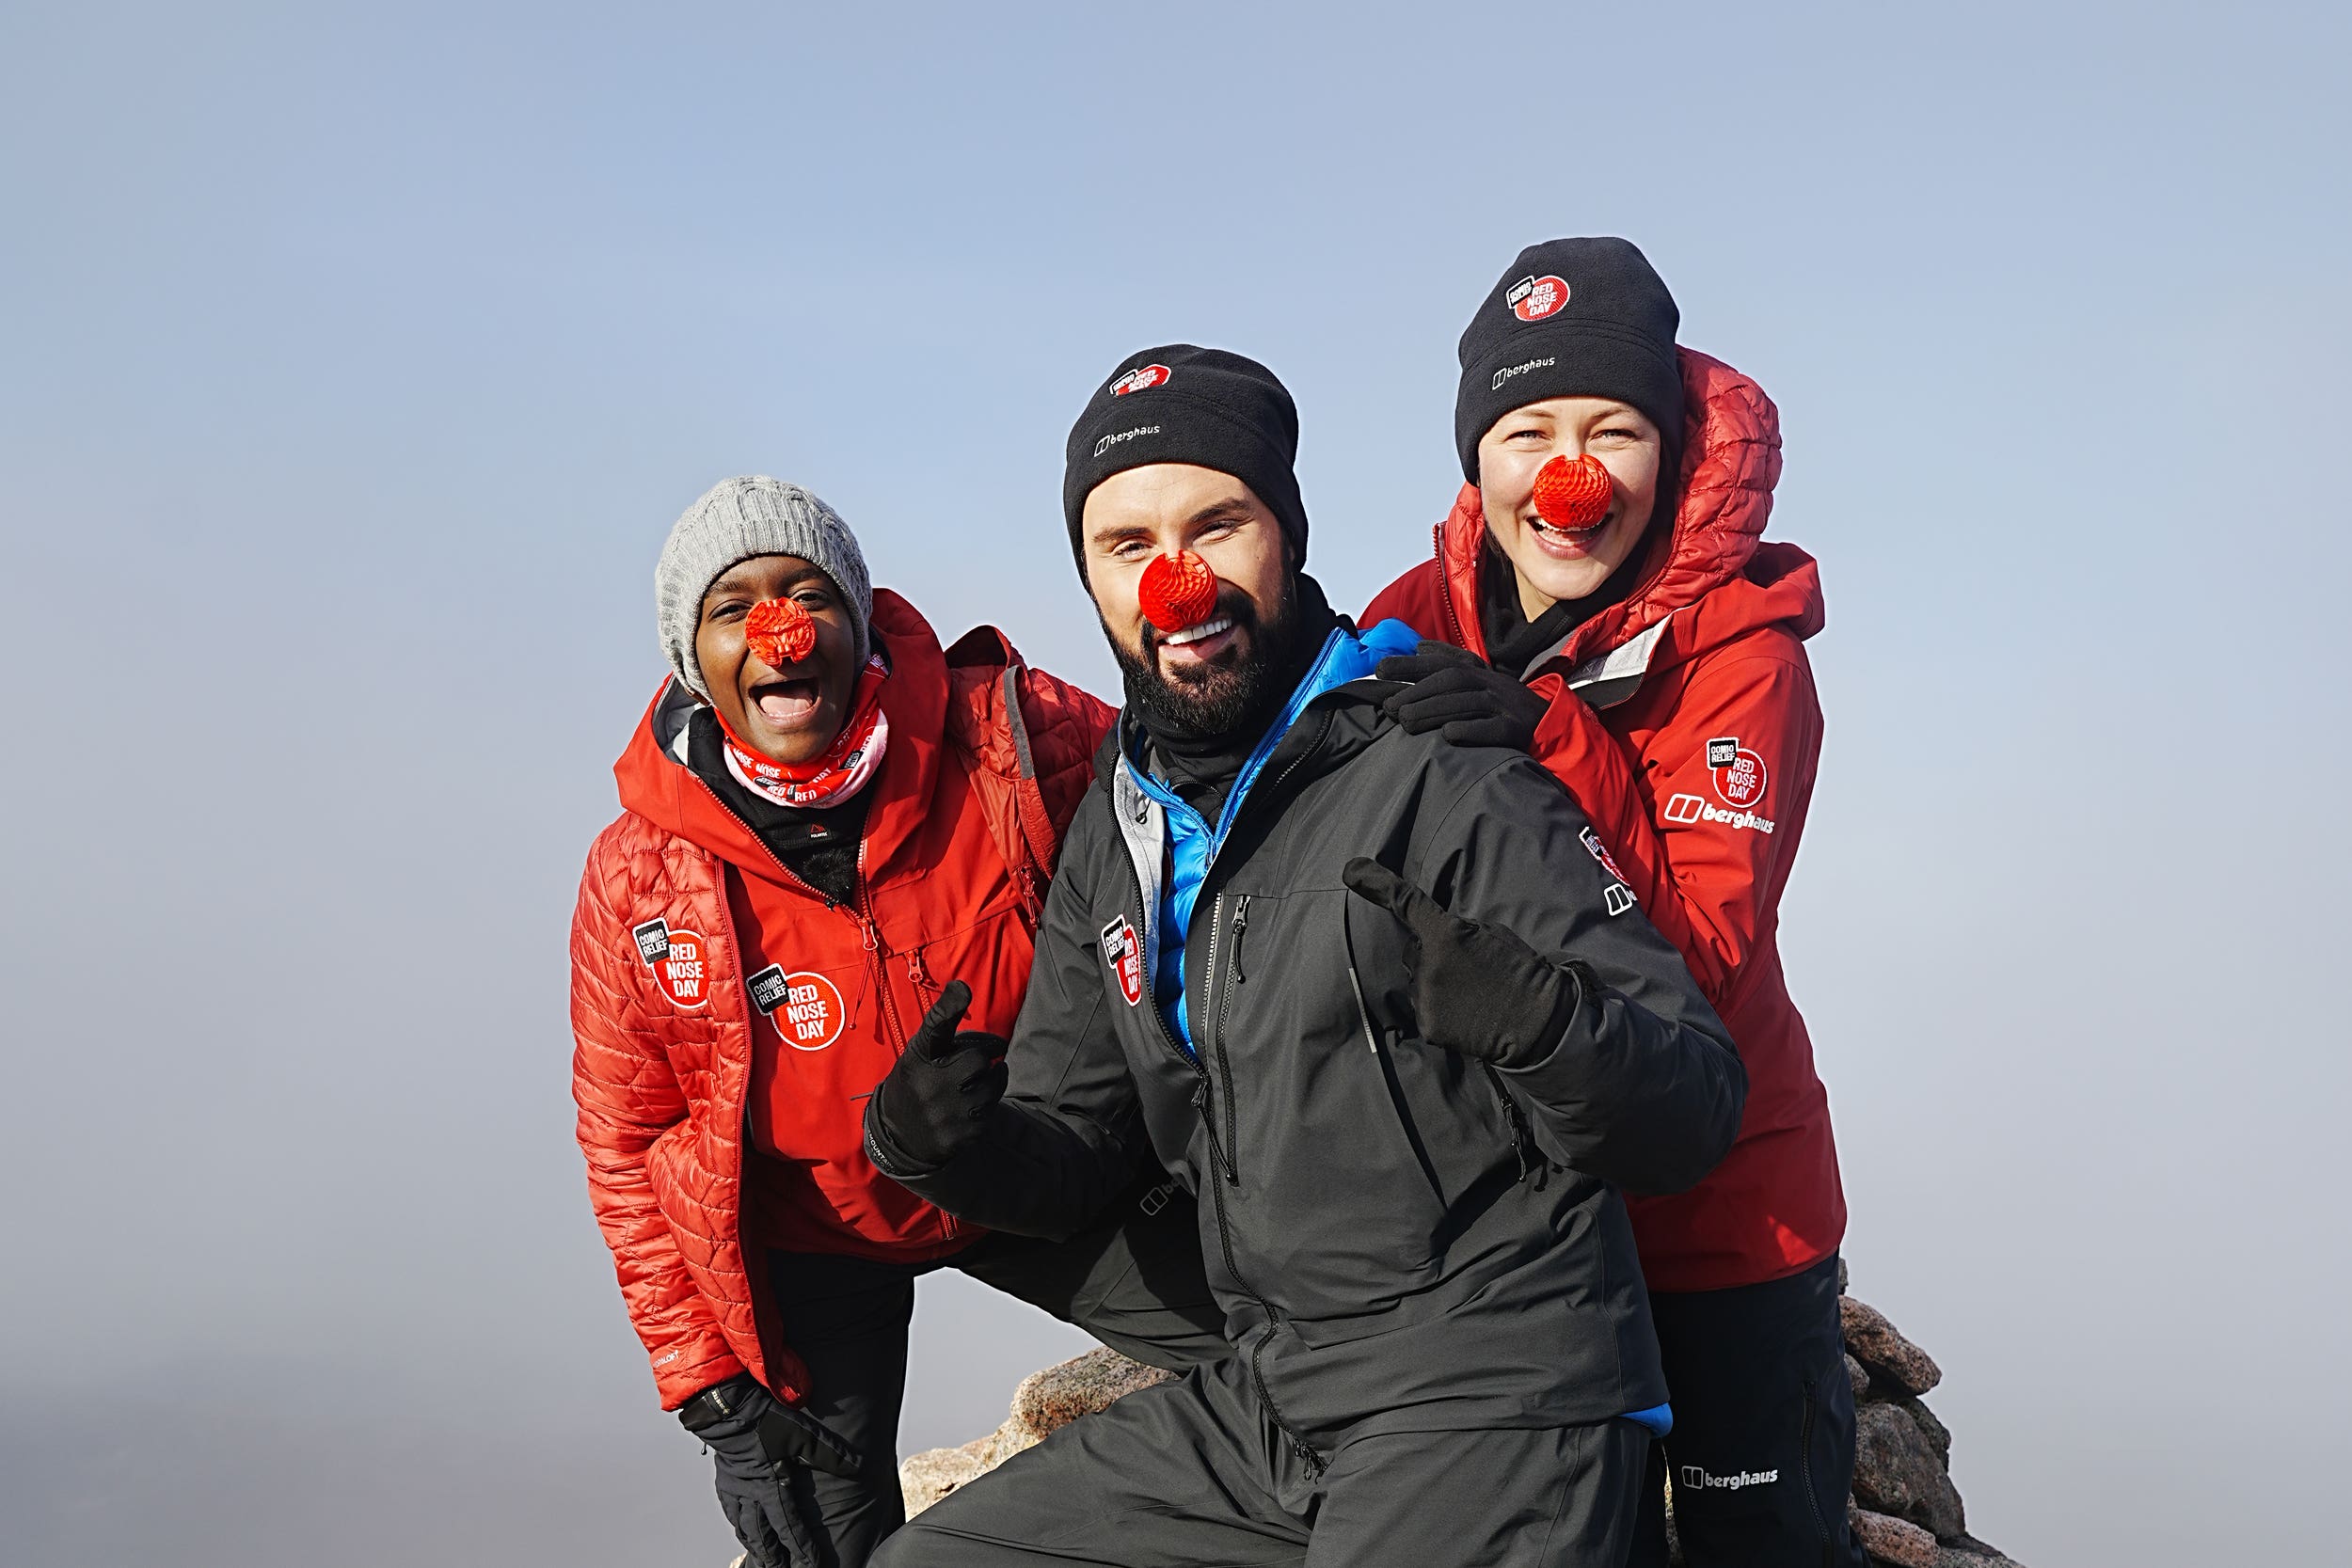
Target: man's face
1212 676
790 715
1552 564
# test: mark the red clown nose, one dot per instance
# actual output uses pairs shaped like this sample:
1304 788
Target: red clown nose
1572 495
1178 591
779 632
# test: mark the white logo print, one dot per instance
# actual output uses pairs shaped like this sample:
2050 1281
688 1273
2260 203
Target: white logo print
1691 808
1109 441
1696 1478
1509 371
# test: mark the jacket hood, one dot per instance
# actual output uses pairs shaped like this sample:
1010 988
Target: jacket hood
1707 580
657 785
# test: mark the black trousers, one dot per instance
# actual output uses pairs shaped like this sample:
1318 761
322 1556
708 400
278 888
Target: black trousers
1133 1281
1761 1453
1195 1473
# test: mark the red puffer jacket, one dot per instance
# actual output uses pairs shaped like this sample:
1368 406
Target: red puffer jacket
1684 722
713 993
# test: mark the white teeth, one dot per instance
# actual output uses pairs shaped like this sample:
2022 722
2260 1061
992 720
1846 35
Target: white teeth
1194 634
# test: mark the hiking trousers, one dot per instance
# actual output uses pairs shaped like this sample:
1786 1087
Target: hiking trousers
1133 1281
1761 1453
1194 1472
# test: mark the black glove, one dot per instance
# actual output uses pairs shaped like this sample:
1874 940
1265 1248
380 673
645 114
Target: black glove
936 1100
756 1441
1454 691
1476 988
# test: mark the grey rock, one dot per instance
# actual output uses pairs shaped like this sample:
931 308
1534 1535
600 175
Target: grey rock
1897 1472
1044 1402
1859 1376
1939 1436
1887 1539
1873 1341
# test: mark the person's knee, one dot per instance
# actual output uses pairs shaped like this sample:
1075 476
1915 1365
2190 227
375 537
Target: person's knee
913 1546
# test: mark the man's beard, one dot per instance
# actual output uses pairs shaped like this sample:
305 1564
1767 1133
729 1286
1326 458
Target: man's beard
1215 696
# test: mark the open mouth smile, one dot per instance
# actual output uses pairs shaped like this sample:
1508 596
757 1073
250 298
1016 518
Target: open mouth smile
1199 642
1572 542
787 703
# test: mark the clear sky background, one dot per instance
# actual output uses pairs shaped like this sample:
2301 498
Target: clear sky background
352 367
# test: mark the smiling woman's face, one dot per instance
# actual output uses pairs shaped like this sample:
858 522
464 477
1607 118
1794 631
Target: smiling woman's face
789 716
1554 563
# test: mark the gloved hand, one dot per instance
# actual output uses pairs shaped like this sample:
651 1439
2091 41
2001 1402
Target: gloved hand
936 1100
1476 988
756 1440
1454 691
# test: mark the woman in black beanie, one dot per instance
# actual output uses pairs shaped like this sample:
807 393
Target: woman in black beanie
1649 650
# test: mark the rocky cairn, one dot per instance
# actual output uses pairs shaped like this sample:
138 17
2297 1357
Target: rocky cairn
1906 1511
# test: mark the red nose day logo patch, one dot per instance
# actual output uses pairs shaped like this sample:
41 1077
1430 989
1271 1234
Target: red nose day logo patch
1531 299
677 959
1739 775
805 1007
1139 379
1125 954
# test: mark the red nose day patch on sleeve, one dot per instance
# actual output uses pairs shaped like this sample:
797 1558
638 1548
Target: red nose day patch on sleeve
1177 591
779 632
1572 495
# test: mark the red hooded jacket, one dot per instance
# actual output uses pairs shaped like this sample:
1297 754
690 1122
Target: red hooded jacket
1684 722
714 994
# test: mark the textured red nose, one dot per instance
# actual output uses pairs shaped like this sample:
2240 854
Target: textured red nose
1572 495
779 632
1178 591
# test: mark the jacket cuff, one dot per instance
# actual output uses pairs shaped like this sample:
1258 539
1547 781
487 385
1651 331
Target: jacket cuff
885 1151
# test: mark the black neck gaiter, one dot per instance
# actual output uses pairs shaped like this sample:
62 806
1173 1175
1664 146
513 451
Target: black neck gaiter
1202 766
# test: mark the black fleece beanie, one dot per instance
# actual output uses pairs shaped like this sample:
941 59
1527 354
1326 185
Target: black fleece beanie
1179 403
1571 318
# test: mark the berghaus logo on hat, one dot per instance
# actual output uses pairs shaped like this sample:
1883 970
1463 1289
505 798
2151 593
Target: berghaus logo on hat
1139 379
1531 299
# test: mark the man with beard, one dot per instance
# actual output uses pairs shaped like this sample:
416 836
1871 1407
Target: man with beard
1380 1002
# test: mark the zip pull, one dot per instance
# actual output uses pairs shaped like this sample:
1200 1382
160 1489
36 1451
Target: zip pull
1241 923
871 932
918 976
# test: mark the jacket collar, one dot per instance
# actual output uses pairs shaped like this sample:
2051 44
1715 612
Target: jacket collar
1143 806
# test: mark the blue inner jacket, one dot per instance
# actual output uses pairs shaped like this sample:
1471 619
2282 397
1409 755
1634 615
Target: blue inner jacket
1193 844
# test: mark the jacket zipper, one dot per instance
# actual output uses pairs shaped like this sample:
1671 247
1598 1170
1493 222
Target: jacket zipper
1299 1446
894 1033
1445 589
1532 1161
1804 1473
1216 1026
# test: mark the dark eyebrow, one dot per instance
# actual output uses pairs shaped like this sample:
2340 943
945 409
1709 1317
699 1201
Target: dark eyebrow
1111 533
1228 507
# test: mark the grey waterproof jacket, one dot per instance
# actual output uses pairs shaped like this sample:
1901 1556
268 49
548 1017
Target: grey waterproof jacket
1404 1238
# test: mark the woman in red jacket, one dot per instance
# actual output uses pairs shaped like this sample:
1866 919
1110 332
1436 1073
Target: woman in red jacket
823 810
1643 642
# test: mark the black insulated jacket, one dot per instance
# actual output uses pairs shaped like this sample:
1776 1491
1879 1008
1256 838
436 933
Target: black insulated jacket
1403 1239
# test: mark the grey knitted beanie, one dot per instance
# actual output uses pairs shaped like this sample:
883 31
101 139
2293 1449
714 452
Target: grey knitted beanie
736 519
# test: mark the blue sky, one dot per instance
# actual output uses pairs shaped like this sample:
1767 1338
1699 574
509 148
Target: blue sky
352 366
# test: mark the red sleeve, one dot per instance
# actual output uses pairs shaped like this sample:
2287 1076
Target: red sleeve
628 1100
1066 725
1703 846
